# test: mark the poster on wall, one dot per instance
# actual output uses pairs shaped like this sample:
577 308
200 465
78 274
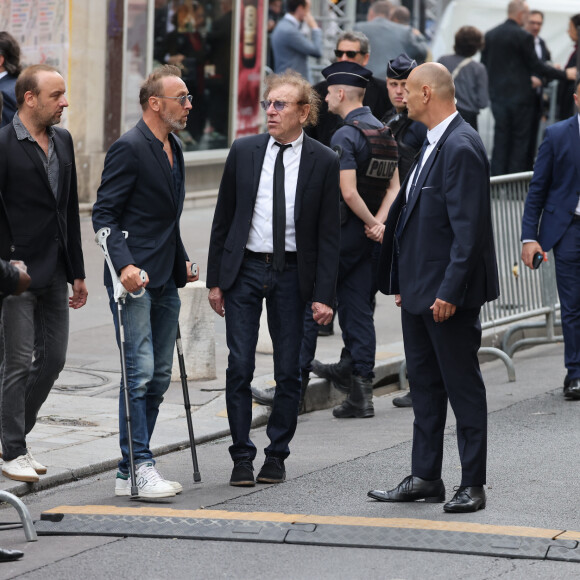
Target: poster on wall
250 65
41 27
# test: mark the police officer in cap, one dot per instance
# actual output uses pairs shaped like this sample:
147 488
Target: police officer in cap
369 181
409 134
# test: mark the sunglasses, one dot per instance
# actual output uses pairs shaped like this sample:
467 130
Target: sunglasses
180 100
349 53
278 105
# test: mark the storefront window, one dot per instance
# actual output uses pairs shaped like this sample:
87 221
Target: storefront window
196 36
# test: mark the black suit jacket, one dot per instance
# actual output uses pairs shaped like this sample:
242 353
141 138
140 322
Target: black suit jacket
316 216
136 196
376 98
41 226
511 60
7 84
445 246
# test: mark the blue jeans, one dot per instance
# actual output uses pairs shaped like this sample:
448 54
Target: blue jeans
33 343
243 305
150 324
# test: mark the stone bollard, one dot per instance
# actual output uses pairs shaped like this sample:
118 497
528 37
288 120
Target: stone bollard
197 324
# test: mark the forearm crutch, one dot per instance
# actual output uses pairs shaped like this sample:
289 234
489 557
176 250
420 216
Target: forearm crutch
119 294
187 404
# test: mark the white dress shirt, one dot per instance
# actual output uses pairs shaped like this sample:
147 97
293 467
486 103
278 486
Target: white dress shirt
261 232
433 136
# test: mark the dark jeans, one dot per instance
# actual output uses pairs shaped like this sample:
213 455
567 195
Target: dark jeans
150 324
33 345
512 134
243 305
567 261
442 365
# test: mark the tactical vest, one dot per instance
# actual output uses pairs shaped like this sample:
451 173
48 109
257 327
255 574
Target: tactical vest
374 176
399 125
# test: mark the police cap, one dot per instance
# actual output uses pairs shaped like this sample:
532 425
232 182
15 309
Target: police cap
400 67
347 73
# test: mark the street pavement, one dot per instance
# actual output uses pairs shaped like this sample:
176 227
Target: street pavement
533 460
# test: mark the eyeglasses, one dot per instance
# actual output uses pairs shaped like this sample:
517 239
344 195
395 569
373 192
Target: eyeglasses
349 53
278 105
180 100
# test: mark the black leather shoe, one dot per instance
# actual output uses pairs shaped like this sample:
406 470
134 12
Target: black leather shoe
10 555
272 471
263 396
572 390
412 489
243 473
403 401
466 499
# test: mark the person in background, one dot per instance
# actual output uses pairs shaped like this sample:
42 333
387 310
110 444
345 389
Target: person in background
469 76
534 26
9 70
290 47
389 39
511 60
566 88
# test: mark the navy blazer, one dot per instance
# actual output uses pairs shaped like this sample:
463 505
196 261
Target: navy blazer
555 188
316 216
136 196
42 226
445 247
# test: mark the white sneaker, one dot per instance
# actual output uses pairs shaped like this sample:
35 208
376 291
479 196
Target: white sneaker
36 465
20 469
177 487
149 483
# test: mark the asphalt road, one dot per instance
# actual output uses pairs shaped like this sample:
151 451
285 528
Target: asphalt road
533 472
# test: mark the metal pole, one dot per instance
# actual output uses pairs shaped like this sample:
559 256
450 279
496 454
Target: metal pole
187 404
134 489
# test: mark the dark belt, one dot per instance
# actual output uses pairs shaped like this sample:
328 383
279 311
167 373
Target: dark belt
290 257
576 217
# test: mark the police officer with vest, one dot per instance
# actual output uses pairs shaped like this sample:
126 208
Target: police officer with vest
409 134
369 181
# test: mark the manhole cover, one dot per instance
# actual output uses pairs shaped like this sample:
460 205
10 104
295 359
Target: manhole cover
72 379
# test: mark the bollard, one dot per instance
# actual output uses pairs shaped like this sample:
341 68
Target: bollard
197 323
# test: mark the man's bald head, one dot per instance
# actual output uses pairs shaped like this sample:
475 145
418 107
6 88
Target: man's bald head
430 94
437 78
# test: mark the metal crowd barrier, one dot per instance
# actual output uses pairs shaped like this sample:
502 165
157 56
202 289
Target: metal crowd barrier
524 293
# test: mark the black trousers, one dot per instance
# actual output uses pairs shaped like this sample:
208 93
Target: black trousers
512 134
442 366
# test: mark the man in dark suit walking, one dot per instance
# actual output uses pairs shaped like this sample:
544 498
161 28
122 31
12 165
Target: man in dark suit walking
511 61
39 187
551 220
142 192
275 235
440 262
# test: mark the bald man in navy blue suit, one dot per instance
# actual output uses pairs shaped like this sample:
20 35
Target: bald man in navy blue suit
439 260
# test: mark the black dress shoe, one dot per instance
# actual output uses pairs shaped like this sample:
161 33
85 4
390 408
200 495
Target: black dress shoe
466 499
272 471
263 396
572 390
10 555
243 473
403 401
412 489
